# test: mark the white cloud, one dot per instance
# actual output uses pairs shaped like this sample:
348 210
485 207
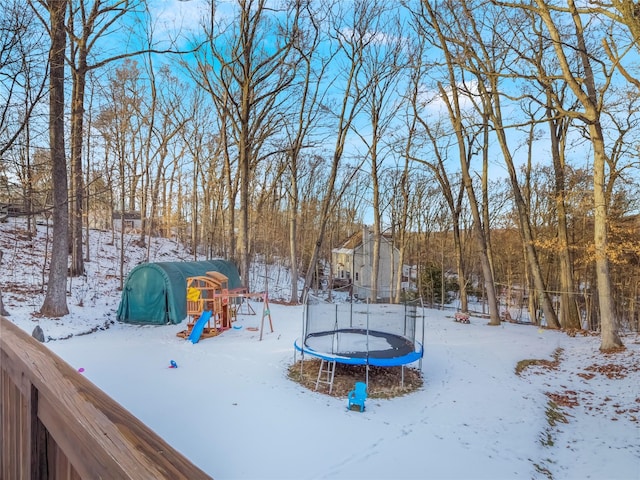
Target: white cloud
432 98
172 18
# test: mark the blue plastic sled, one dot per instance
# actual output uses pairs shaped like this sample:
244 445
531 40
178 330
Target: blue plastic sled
196 332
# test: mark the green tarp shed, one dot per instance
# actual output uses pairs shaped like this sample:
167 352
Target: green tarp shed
156 293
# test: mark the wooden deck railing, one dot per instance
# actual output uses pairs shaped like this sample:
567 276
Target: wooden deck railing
56 424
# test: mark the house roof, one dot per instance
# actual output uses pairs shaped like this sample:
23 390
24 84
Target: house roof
355 240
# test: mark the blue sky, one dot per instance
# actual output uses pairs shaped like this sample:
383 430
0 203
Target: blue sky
185 18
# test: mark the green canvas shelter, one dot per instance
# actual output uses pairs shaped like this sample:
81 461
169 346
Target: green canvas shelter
156 293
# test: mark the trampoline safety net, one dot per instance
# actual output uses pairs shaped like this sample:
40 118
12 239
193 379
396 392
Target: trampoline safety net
360 331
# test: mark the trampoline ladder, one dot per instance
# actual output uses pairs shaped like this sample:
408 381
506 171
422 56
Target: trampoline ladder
329 371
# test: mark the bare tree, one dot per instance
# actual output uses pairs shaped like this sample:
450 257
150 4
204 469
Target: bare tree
401 202
534 49
165 118
485 61
89 24
434 131
584 87
453 195
23 75
382 65
299 131
119 125
203 152
23 78
451 97
349 29
247 87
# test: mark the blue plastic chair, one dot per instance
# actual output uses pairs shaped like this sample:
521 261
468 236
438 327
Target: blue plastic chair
358 395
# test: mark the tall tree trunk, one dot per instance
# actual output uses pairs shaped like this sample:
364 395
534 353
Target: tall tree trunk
2 309
245 180
460 268
87 170
293 238
230 190
377 221
404 214
486 217
121 168
487 271
31 221
569 315
610 341
55 302
77 177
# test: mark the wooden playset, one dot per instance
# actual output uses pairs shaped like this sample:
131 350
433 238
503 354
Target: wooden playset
210 293
206 293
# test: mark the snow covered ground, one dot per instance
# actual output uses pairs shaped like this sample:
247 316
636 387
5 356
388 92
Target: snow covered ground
230 408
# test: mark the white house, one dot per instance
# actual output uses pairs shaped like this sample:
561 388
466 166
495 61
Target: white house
352 264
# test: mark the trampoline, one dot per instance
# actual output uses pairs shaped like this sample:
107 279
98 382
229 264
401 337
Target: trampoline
382 335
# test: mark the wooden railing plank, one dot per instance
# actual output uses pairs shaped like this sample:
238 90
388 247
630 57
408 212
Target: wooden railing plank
99 437
15 442
73 441
17 378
